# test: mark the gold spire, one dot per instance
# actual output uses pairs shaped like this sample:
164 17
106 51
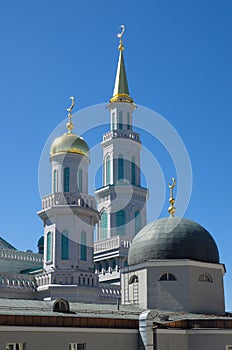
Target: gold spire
171 208
121 90
69 124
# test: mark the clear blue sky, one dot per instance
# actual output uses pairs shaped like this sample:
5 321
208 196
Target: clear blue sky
178 58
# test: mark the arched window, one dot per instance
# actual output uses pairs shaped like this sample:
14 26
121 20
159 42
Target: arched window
113 121
100 267
107 170
80 176
133 171
120 124
61 305
120 222
114 264
107 266
167 277
133 289
83 246
120 167
205 277
128 121
55 180
49 247
133 279
137 222
65 245
104 225
66 179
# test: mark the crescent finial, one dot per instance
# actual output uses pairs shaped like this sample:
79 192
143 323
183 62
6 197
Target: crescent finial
171 208
69 124
122 32
121 47
173 183
72 105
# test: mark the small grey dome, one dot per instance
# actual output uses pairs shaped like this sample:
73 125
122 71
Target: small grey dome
173 238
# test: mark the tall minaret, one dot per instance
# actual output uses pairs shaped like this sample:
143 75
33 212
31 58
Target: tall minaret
69 215
121 200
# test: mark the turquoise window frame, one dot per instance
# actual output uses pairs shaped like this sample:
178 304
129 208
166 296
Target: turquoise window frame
120 167
108 170
133 171
83 246
80 180
55 180
121 222
66 179
120 121
65 245
128 121
137 221
49 247
113 121
104 225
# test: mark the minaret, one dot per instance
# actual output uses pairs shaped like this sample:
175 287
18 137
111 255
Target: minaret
69 215
121 200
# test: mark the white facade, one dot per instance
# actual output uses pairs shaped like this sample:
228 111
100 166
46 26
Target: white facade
69 215
175 285
121 201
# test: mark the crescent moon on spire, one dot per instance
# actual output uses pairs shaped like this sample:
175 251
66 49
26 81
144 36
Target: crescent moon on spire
122 32
72 105
173 183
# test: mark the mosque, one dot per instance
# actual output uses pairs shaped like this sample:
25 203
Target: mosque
139 286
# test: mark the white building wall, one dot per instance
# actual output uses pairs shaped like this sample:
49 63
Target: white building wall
186 293
48 338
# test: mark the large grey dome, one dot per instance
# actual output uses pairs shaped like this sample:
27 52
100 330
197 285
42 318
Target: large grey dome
173 238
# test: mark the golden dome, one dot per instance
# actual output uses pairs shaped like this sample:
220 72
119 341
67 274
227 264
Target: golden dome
69 143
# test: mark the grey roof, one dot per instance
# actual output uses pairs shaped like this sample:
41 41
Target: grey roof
173 238
15 261
5 245
129 312
165 317
45 308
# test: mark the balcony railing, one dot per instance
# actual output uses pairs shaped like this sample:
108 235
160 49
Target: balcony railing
110 290
111 243
18 255
128 134
69 198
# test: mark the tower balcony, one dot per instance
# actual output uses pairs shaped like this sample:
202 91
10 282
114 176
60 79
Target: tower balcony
111 243
127 134
69 198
